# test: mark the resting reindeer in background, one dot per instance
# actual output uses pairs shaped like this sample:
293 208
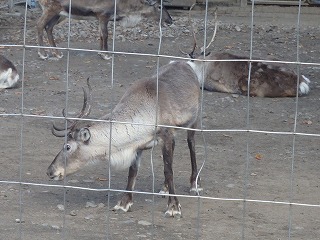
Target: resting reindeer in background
266 79
103 10
178 105
9 76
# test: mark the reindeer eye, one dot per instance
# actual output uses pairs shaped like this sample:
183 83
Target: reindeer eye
67 147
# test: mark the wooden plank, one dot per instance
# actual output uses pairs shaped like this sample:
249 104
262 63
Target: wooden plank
179 3
279 2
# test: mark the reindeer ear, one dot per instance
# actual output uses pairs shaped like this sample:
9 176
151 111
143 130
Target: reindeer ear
84 135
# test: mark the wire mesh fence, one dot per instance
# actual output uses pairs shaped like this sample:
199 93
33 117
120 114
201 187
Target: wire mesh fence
257 157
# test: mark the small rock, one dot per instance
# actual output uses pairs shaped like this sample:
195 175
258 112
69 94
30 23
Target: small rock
238 29
56 227
91 204
18 220
89 217
128 221
101 205
60 207
144 223
73 213
142 236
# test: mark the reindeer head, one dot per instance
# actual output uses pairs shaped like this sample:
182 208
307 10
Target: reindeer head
75 152
157 8
203 53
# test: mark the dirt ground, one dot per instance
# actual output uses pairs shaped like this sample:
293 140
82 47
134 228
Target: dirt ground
258 166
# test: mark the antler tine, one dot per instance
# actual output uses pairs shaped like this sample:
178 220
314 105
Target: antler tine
57 132
185 53
82 113
85 103
193 33
215 30
57 128
90 98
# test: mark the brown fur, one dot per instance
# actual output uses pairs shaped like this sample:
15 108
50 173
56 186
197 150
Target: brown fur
266 80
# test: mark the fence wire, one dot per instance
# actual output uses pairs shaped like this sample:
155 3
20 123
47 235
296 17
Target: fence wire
247 133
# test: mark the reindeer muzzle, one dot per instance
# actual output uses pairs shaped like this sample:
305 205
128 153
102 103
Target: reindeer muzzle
54 174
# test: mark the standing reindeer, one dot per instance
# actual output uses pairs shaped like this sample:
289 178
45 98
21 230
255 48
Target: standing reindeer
9 76
103 10
229 73
140 108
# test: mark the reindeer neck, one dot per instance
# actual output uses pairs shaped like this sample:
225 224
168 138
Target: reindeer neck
199 68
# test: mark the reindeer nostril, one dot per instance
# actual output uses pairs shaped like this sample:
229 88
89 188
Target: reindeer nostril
50 173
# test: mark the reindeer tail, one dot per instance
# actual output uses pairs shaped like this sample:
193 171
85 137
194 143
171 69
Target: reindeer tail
304 87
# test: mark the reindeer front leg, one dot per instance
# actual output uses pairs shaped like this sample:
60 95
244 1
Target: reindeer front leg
126 201
174 207
103 30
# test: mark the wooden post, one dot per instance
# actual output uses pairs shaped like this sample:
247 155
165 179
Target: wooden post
243 3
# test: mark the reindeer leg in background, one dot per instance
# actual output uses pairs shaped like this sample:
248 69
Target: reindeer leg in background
43 22
103 30
49 29
195 187
126 201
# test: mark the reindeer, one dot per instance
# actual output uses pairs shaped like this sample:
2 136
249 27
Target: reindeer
9 76
103 10
133 130
229 73
266 79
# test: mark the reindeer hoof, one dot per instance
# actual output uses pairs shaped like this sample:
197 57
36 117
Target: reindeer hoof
105 56
123 207
164 190
57 56
43 57
195 188
173 211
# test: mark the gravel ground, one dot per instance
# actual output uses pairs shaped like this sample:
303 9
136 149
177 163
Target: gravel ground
263 163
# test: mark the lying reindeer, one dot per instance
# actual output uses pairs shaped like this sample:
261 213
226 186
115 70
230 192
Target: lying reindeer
103 10
9 76
266 79
178 105
229 73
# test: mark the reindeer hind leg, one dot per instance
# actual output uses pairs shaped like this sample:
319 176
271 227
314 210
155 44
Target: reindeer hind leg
103 30
49 29
195 185
42 24
174 207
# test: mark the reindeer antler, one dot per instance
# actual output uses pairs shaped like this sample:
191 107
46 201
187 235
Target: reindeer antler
193 33
60 132
214 32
